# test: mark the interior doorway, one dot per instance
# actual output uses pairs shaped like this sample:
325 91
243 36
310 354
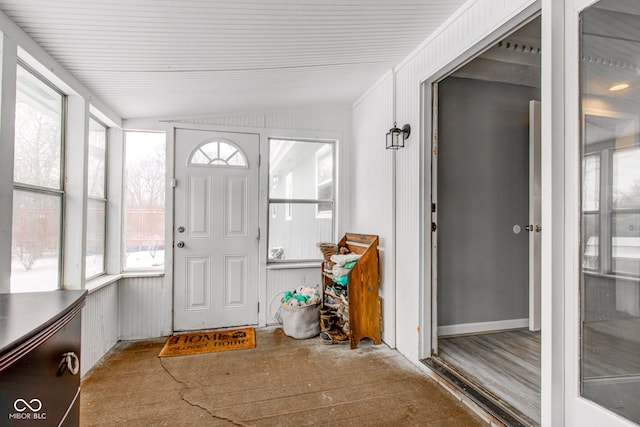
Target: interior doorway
486 196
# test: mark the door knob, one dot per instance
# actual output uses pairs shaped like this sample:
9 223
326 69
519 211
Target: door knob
538 229
180 244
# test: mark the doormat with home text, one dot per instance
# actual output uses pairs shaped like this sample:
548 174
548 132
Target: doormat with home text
207 342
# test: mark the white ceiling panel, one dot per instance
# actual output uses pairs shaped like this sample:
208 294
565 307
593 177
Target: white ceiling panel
171 58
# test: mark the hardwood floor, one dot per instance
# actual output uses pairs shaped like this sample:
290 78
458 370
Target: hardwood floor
611 366
611 348
280 382
506 363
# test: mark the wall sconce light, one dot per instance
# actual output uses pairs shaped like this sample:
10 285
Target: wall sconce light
396 137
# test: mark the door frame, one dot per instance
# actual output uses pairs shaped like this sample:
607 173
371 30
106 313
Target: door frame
182 184
429 139
428 194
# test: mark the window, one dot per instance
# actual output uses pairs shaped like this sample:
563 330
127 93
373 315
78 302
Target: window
218 153
610 212
625 212
591 211
288 190
144 200
324 182
301 198
97 199
38 185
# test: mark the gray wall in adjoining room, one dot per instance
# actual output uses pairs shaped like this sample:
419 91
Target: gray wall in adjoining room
483 185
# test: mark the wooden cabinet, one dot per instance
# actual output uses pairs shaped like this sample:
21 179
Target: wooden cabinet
361 305
40 358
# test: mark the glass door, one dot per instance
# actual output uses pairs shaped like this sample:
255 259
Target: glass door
610 207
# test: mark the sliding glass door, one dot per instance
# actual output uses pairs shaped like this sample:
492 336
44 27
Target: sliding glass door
610 207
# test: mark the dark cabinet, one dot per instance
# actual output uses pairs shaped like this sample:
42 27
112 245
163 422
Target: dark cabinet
40 358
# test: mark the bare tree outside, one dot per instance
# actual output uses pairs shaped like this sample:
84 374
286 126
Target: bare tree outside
37 201
145 194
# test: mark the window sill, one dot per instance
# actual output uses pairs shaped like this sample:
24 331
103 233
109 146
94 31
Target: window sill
612 276
293 265
100 282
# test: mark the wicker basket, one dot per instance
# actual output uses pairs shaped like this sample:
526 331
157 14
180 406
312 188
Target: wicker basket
327 250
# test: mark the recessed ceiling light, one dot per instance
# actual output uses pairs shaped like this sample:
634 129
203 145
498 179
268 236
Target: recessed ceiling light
621 86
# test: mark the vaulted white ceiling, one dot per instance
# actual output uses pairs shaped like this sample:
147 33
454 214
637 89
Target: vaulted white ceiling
177 58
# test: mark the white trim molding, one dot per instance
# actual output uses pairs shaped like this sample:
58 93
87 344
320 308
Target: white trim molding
482 327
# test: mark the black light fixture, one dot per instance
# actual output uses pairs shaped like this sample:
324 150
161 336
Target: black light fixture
396 136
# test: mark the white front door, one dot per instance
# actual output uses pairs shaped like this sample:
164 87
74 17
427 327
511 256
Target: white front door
215 230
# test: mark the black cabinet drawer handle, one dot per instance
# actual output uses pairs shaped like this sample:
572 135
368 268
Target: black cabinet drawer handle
69 362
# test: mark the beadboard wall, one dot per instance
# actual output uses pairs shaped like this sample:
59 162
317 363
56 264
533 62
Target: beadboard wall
100 325
474 22
126 309
331 118
143 307
372 189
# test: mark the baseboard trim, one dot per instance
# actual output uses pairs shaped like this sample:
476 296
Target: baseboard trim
482 327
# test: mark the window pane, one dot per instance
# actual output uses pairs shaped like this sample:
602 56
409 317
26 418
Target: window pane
97 159
309 163
296 238
38 138
591 183
144 201
325 209
218 153
590 237
610 302
324 165
35 242
94 260
626 178
625 243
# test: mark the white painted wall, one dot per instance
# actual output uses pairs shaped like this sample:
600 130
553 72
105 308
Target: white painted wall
372 189
100 325
141 307
462 33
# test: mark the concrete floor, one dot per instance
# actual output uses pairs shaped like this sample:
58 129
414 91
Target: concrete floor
281 382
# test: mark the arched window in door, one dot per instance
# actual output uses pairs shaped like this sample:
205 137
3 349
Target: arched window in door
219 153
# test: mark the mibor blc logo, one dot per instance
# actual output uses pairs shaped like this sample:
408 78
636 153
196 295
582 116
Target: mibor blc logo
28 410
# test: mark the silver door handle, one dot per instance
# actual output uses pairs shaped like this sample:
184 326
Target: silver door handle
69 362
180 244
